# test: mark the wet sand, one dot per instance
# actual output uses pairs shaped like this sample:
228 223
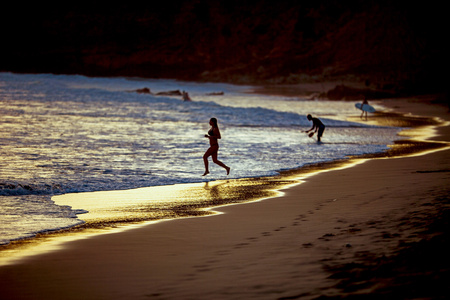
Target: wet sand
378 228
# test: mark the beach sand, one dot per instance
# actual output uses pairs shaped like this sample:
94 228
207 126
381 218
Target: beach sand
371 228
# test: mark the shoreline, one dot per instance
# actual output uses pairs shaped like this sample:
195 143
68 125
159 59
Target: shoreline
260 234
261 188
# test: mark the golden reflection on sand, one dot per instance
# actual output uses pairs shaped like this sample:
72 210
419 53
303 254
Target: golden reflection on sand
166 202
115 211
46 243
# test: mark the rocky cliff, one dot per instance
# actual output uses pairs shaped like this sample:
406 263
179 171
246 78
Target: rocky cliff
384 43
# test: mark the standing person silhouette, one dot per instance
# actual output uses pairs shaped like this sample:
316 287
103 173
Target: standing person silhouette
362 105
213 135
318 125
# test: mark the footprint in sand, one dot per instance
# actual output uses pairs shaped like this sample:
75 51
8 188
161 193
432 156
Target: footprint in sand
308 245
240 245
280 228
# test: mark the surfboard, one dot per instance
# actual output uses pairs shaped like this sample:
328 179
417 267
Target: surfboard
365 107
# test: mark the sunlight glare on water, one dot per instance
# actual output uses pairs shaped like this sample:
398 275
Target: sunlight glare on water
61 134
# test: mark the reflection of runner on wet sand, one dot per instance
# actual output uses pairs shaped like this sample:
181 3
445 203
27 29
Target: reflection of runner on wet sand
213 135
214 190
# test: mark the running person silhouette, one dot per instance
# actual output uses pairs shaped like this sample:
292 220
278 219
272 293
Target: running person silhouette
213 135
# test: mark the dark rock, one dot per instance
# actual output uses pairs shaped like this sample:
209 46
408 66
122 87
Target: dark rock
143 91
342 92
170 93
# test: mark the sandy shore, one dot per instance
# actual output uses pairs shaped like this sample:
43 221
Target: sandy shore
378 228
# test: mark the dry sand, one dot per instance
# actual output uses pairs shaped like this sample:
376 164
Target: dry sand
376 229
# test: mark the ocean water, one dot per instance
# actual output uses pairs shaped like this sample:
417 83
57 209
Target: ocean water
67 133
